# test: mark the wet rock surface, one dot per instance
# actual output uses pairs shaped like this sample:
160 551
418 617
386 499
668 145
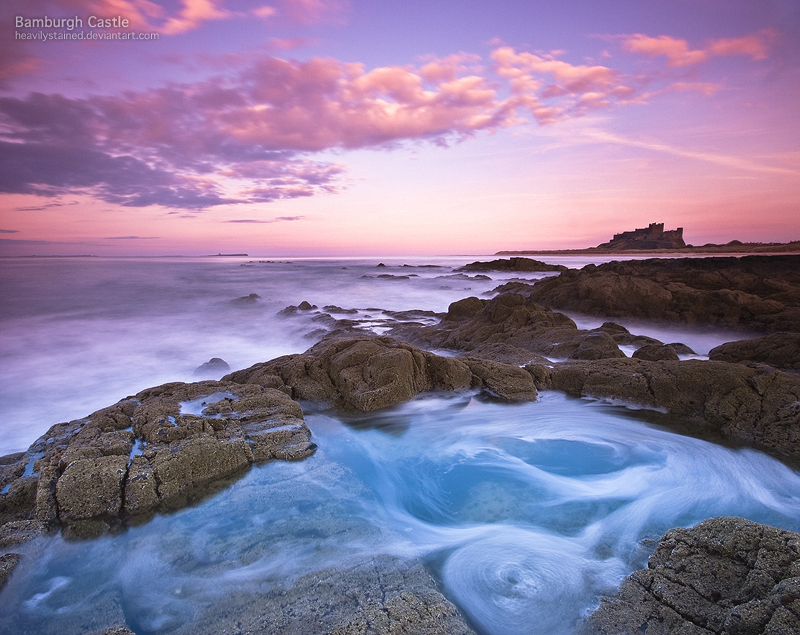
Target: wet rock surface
725 576
366 373
375 596
756 406
758 292
156 451
779 349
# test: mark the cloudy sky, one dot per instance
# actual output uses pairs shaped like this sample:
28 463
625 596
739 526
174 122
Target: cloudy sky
355 127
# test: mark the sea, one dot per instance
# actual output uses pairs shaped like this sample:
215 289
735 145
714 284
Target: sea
523 514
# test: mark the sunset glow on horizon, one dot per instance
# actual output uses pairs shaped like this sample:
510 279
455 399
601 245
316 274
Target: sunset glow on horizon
336 127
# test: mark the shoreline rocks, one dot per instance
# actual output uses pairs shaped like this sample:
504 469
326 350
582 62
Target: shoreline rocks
153 452
725 576
755 405
756 292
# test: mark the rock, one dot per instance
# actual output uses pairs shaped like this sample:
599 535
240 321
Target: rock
515 322
756 406
90 477
466 308
18 532
8 563
511 264
510 383
681 349
247 300
375 596
115 630
725 576
758 292
656 353
779 349
91 488
305 306
597 345
213 368
358 373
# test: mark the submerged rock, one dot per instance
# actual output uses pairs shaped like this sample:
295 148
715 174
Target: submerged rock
8 562
725 576
247 300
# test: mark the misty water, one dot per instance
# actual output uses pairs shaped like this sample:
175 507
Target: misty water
524 514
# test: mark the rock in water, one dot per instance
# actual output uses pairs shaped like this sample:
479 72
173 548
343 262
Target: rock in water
213 368
726 576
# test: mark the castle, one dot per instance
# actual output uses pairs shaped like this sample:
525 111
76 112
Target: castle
651 237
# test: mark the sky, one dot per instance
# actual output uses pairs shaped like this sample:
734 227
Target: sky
362 127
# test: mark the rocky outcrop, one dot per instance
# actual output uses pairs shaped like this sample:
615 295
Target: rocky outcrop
758 292
368 373
511 264
725 576
779 349
755 406
156 451
513 329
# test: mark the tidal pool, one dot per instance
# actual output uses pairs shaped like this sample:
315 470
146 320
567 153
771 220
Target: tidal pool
524 514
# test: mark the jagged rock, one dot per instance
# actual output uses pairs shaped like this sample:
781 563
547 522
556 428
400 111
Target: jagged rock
756 406
779 349
760 292
115 630
511 264
213 368
305 306
361 373
656 353
726 576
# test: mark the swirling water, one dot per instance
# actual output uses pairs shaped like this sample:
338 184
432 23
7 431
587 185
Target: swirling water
524 514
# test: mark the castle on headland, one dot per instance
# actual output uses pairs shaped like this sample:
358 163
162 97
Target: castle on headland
651 237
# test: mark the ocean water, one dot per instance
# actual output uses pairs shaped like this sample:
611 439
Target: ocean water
524 514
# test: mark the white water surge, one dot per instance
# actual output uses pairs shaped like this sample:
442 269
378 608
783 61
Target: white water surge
525 514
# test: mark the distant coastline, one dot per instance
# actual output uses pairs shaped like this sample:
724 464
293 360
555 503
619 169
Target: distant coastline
734 247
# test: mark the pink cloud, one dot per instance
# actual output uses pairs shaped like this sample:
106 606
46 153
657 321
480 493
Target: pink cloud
679 54
194 13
